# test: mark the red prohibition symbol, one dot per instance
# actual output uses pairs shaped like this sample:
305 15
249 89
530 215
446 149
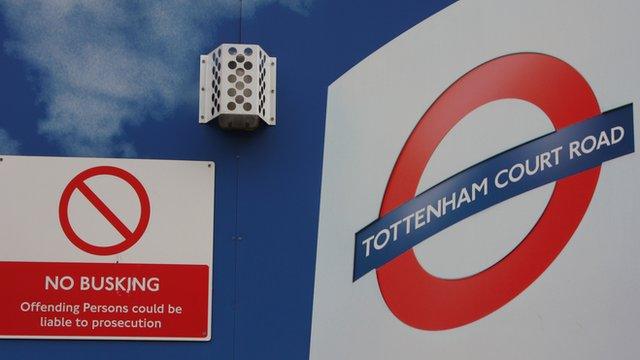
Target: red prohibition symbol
130 238
426 302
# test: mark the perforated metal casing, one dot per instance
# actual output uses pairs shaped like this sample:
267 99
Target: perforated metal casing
238 86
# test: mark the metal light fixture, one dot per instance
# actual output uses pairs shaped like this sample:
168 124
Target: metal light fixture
238 87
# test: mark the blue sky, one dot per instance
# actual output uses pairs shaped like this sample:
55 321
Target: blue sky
96 67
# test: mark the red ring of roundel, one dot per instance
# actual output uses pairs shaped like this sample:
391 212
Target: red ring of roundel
424 301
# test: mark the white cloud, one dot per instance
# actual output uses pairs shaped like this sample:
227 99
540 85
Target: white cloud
104 65
8 146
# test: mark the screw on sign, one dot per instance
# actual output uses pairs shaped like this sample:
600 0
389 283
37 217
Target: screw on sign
130 238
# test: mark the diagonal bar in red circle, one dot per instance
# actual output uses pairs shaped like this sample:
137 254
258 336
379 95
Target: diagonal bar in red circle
104 210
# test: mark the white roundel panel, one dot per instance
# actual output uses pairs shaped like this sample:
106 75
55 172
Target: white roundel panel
583 305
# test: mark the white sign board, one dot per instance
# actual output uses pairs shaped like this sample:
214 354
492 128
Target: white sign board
533 257
106 248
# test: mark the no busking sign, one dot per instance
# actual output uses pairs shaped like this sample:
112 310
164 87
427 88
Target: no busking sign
106 248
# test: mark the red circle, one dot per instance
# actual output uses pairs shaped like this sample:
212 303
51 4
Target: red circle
131 238
424 301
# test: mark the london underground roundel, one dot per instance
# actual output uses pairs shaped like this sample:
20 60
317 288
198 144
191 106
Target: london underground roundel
572 155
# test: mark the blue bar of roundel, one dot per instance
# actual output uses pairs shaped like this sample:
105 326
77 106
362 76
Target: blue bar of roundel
622 116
